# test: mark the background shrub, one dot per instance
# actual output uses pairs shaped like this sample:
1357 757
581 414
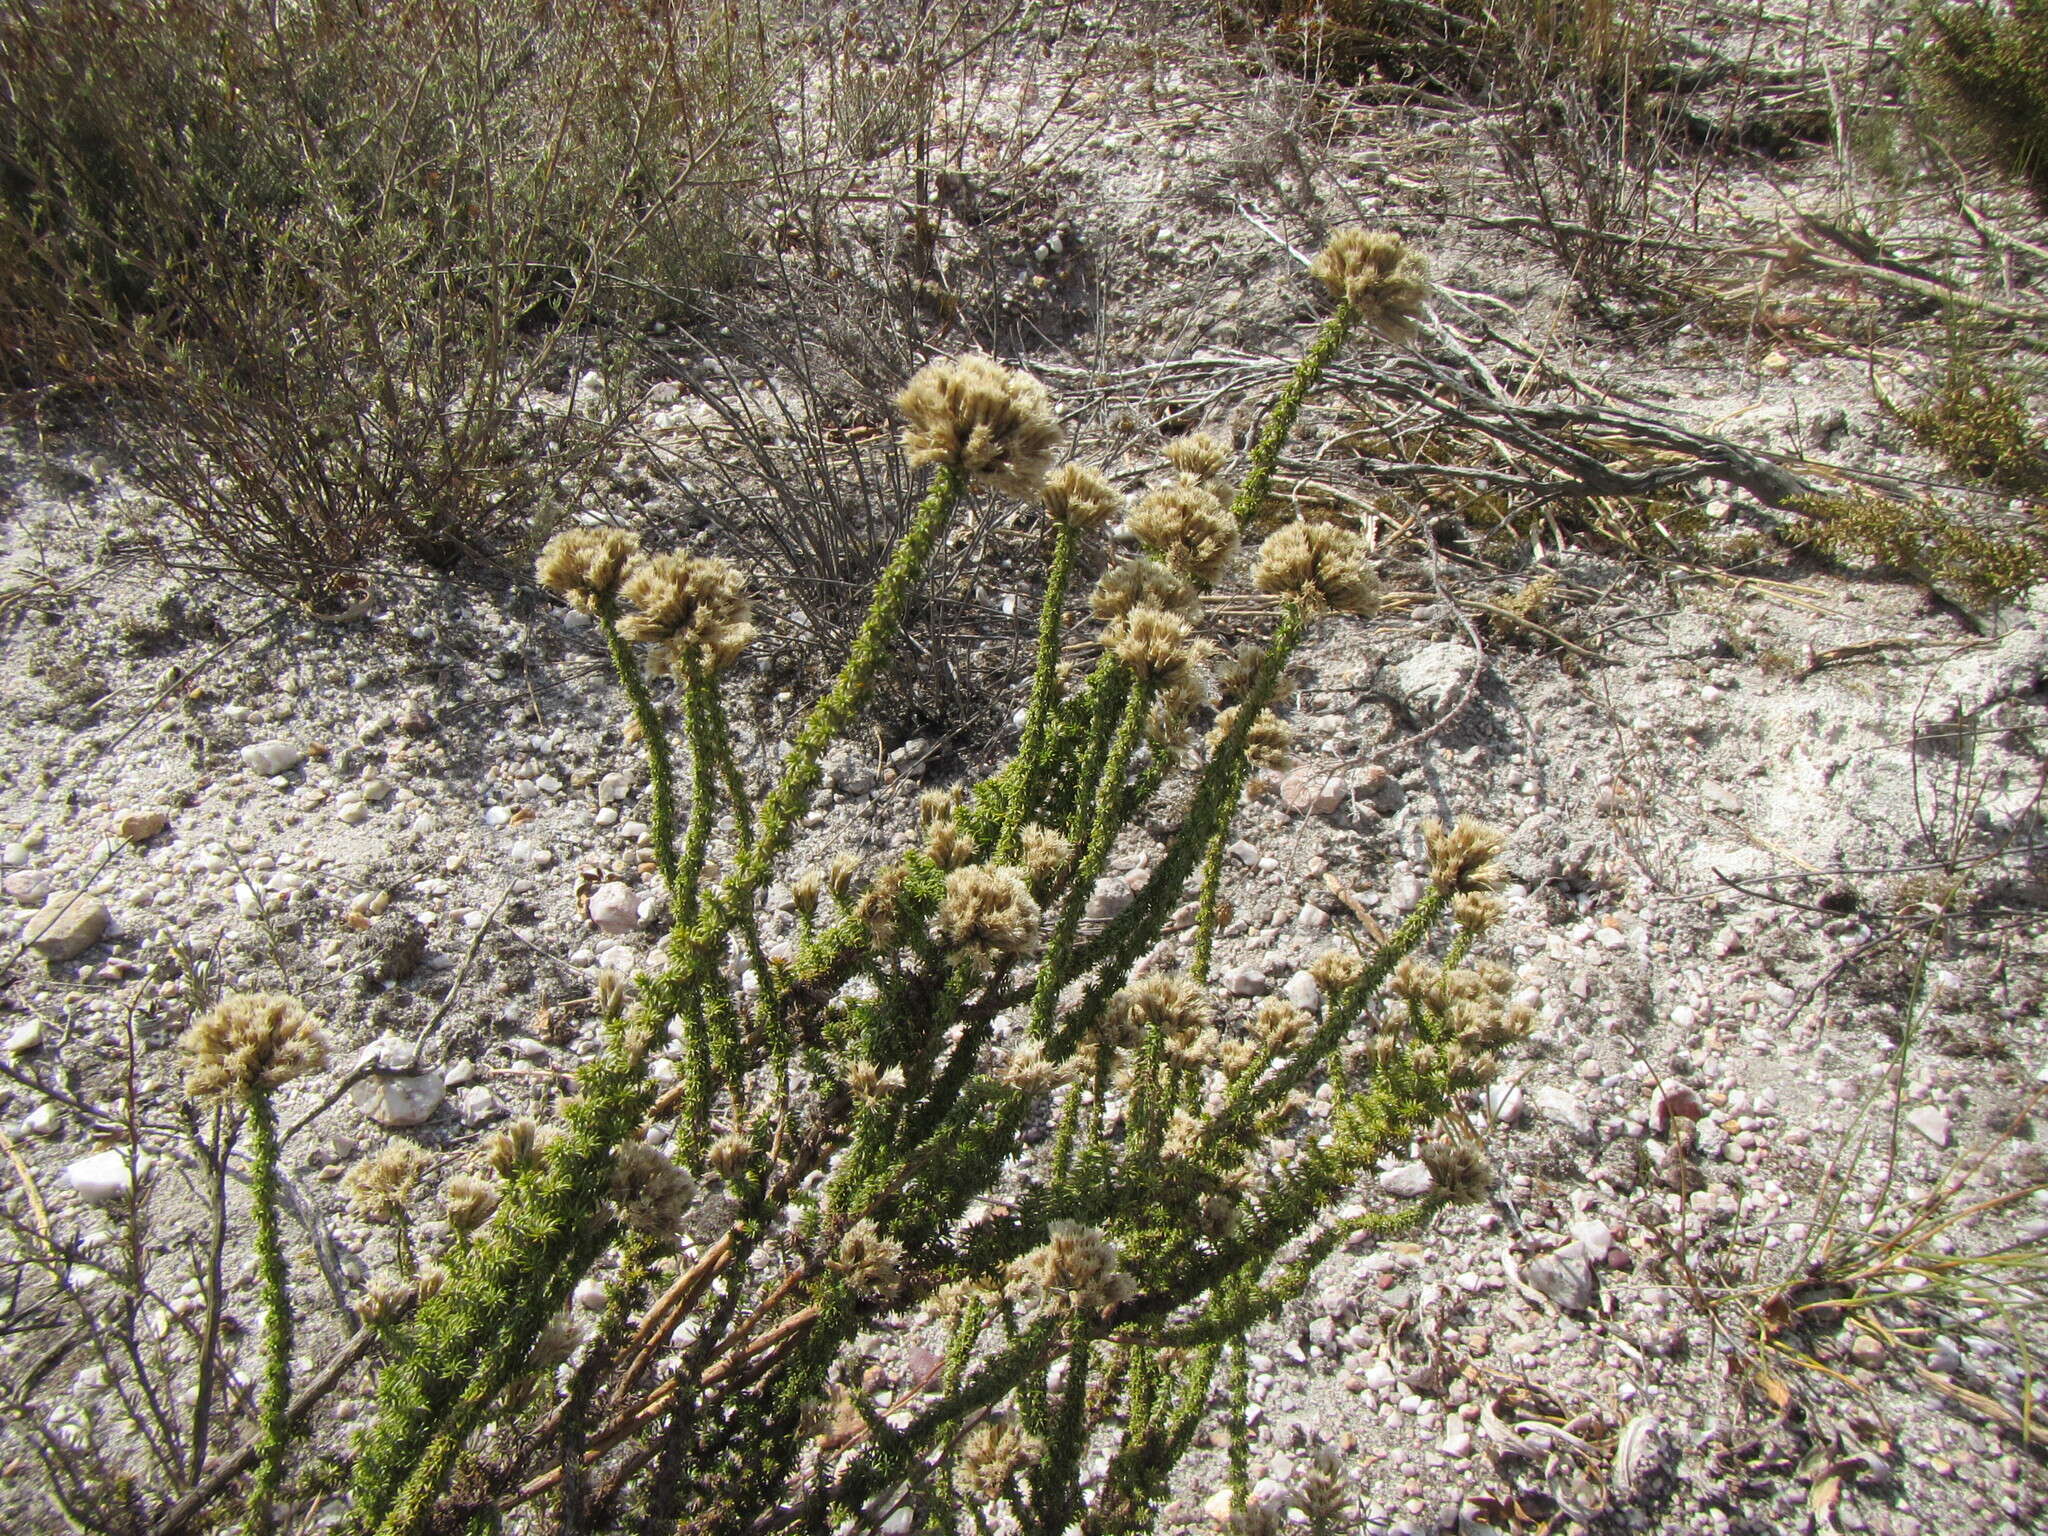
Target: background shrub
1987 66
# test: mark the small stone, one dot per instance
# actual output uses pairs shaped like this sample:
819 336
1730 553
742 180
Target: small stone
1504 1102
29 887
1931 1121
1407 1181
140 826
1245 853
25 1038
1593 1237
1867 1351
1110 897
400 1101
1434 679
270 758
69 923
1313 791
1673 1100
107 1177
1302 991
613 788
1564 1277
1246 981
614 908
1376 787
1565 1109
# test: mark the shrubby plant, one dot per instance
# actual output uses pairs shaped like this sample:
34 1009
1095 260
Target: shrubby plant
848 1117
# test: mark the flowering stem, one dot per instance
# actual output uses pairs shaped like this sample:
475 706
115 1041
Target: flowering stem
1044 685
277 1310
654 741
1212 883
1265 454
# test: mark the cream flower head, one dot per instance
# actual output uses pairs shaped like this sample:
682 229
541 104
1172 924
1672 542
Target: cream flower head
988 916
1384 281
1157 646
1319 565
1188 528
975 415
696 609
584 565
1142 583
1079 497
250 1042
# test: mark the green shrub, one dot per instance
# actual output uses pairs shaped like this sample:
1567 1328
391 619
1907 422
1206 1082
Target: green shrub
1987 66
1979 420
1923 539
326 254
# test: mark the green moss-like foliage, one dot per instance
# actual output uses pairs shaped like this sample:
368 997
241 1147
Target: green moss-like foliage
1923 539
1987 65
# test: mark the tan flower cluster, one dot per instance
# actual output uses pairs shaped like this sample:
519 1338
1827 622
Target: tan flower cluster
988 916
651 1192
949 845
1079 497
880 908
468 1202
804 892
250 1042
1029 1070
1268 742
1321 566
870 1084
1158 646
1459 1169
1172 1003
696 609
1385 282
1189 528
993 423
868 1260
1279 1024
991 1455
1477 911
1336 969
1075 1272
1461 859
614 992
1200 458
585 565
380 1187
517 1148
1045 855
727 1156
1142 583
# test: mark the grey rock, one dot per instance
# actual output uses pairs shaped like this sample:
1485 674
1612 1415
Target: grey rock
1432 681
1375 787
140 826
1246 981
399 1101
269 758
1407 1181
1565 1109
68 924
614 908
1312 790
1110 896
29 887
1302 991
1565 1278
1931 1121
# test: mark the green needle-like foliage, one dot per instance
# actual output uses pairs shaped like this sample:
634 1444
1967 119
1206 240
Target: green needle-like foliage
863 1101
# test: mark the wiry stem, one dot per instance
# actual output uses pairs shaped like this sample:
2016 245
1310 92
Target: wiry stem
1265 454
277 1310
1044 688
654 741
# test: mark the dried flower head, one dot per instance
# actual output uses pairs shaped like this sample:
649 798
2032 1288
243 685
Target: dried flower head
614 992
868 1260
1143 583
380 1187
1266 744
1461 859
1383 280
870 1084
468 1201
839 875
651 1192
695 608
1279 1023
1321 566
935 806
1336 969
949 845
1325 1493
727 1156
1157 646
516 1148
250 1042
1045 855
1459 1169
990 1457
1079 497
1216 1216
1416 979
1076 1271
1029 1070
1172 1003
385 1300
557 1342
993 423
880 908
1200 456
1477 911
583 565
804 892
1188 528
988 916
